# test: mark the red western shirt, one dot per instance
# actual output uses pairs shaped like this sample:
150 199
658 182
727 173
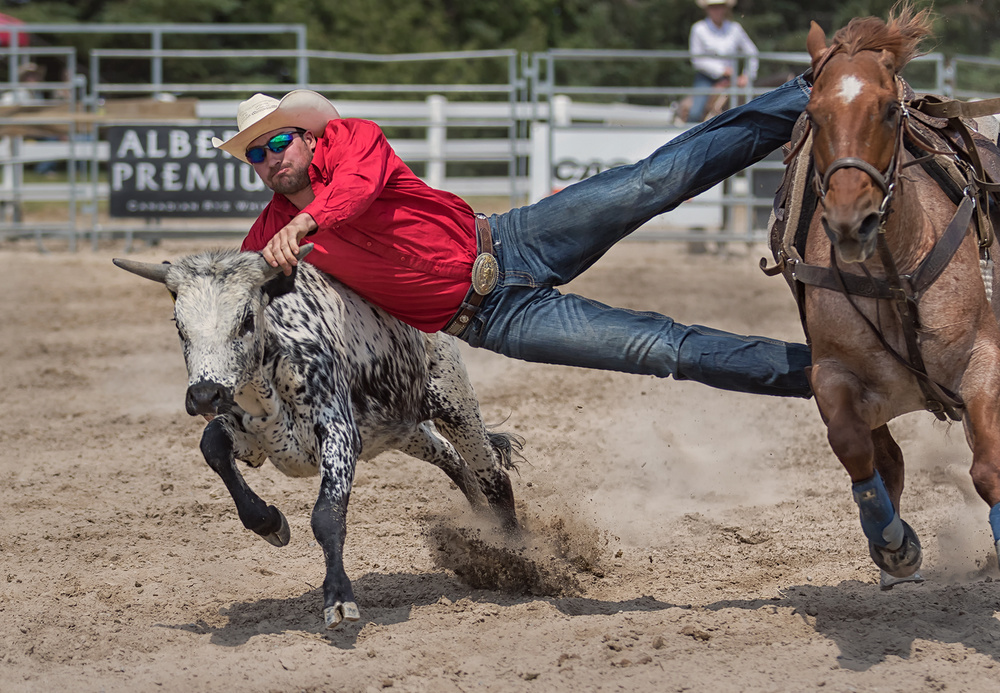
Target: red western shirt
383 232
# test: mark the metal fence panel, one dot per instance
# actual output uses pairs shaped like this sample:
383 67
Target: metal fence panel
502 140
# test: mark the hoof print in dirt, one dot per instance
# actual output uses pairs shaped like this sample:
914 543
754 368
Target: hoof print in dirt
542 562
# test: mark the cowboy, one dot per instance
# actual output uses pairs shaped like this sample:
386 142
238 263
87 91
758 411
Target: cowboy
713 42
427 258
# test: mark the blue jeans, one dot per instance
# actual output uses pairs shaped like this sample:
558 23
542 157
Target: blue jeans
547 244
700 101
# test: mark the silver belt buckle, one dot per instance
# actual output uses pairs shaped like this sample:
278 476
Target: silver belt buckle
485 274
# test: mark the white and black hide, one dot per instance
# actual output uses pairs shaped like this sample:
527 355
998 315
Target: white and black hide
302 371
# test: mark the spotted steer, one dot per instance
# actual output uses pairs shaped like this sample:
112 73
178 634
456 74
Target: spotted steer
303 371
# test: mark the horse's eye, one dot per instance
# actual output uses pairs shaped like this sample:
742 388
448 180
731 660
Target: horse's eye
816 117
892 110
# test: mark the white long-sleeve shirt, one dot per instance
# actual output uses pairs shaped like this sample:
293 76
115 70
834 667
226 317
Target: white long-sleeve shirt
707 39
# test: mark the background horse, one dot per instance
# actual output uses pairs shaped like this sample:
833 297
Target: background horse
896 307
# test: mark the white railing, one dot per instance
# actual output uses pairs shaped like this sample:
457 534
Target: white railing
436 128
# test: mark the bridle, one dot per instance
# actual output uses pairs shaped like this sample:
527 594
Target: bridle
885 180
902 290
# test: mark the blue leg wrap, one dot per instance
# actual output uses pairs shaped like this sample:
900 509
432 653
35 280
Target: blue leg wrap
995 522
879 518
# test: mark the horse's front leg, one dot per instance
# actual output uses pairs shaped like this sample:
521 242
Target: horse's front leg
256 515
892 543
339 447
889 465
982 427
889 462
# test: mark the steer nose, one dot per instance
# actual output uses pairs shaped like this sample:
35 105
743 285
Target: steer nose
204 398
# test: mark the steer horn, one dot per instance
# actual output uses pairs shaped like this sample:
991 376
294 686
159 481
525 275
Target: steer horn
158 272
271 272
149 270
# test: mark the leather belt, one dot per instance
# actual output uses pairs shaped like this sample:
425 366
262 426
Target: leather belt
485 274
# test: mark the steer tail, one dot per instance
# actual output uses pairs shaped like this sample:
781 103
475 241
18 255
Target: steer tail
508 446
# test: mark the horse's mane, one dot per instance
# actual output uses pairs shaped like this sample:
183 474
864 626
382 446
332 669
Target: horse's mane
900 35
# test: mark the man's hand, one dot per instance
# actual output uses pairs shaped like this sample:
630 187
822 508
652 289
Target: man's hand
283 248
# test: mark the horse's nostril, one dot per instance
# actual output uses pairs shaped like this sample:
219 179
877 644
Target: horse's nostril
869 225
847 225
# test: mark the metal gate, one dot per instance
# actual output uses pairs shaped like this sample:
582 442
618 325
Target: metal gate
505 141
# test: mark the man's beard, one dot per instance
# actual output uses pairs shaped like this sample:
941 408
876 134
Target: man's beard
290 182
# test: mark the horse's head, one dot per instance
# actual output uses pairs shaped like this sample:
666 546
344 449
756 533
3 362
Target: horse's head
855 111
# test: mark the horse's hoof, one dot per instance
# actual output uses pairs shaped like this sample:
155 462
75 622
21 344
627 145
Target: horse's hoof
282 535
904 561
340 611
886 582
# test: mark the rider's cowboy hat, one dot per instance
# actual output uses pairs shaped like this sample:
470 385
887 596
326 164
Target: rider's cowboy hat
708 3
260 113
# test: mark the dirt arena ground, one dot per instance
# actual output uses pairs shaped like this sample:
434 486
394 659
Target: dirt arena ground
679 538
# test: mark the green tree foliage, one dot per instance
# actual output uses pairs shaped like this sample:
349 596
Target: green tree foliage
970 27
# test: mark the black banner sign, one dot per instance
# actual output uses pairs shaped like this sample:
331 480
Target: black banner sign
164 171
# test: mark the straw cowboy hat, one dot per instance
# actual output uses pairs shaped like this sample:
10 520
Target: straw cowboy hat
708 3
260 113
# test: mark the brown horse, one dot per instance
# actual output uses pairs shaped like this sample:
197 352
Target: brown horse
894 301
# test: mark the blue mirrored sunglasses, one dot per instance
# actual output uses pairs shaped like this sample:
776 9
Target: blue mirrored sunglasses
276 144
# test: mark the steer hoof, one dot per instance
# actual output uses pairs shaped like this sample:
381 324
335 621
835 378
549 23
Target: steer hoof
333 615
904 561
282 535
886 582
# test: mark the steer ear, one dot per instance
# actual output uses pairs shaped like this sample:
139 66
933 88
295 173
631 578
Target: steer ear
276 283
280 285
158 273
270 272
